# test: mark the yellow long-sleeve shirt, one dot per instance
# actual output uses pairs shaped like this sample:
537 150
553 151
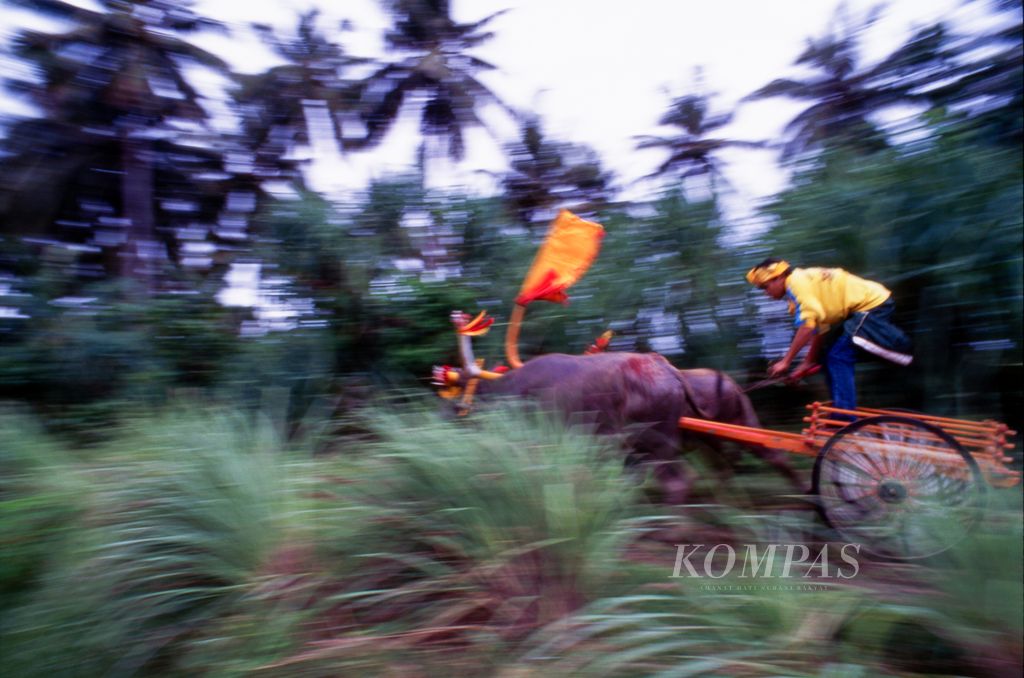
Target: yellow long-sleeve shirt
820 297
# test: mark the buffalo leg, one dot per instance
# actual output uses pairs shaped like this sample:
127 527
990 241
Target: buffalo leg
674 479
721 458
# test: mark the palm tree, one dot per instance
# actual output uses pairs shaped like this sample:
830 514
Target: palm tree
273 104
693 150
844 95
987 82
114 97
436 71
545 174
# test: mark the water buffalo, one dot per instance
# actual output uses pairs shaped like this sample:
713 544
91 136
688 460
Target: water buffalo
639 395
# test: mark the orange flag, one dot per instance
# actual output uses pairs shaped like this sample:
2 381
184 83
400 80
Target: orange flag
568 251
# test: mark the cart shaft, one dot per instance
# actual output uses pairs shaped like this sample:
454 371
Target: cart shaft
790 442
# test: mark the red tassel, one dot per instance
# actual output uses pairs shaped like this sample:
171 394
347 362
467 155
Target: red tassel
548 289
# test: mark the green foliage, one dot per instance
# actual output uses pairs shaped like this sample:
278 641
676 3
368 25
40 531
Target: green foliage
187 508
39 501
757 630
506 480
84 357
517 510
956 614
980 584
197 541
963 611
413 327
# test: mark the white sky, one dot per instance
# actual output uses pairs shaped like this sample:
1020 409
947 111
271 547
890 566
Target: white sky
599 72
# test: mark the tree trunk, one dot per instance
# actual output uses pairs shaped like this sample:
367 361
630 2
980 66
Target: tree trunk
140 246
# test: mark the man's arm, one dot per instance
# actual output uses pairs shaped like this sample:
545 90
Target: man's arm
803 335
810 358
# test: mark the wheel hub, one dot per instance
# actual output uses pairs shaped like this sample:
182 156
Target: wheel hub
892 491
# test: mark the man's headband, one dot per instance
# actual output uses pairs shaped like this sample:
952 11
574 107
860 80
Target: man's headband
759 275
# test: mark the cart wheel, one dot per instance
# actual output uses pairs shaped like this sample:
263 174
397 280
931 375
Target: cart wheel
900 487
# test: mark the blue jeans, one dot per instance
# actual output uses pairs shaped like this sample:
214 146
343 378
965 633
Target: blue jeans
839 363
875 326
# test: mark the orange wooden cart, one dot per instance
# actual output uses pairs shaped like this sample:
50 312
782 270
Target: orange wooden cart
903 484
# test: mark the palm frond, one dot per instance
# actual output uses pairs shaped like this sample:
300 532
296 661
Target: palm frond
477 25
794 89
60 9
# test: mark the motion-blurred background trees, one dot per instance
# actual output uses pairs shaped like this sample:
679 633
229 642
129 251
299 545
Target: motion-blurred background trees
148 247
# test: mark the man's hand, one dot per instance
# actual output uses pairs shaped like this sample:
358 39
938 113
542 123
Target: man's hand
805 369
778 368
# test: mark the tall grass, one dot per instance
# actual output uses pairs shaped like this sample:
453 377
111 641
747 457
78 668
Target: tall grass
198 542
455 532
40 495
965 614
184 510
956 614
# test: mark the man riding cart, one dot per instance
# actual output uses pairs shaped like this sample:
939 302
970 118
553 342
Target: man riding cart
836 312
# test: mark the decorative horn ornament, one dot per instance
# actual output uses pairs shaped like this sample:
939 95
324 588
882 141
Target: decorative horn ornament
465 329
